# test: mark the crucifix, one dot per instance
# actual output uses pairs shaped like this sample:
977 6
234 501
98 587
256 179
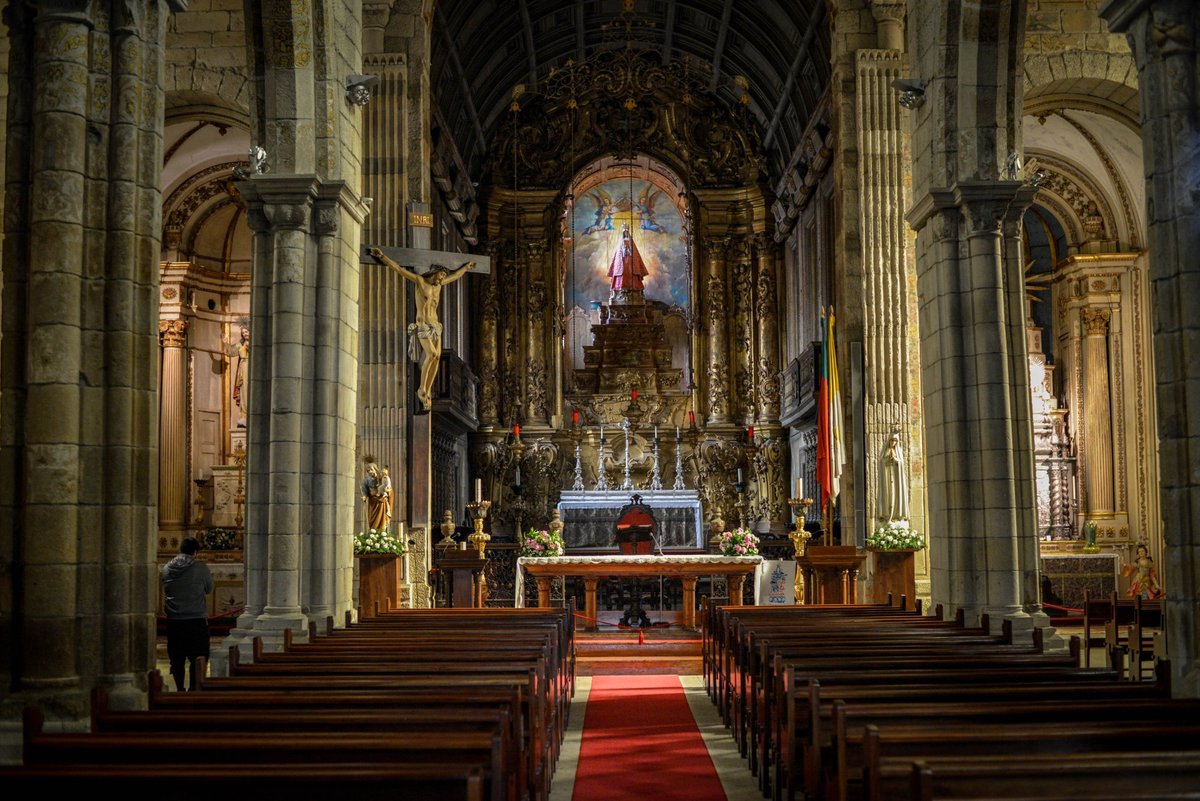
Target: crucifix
428 270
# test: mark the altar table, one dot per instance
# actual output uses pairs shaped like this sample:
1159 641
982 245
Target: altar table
689 567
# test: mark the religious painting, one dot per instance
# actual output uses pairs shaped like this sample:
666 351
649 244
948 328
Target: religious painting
626 230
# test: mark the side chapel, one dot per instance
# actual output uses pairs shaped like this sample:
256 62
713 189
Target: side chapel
667 207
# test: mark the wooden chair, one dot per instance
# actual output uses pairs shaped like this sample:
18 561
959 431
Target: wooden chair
1096 613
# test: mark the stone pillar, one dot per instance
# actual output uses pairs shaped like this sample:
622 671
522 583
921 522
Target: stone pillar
716 250
978 426
172 426
78 377
301 468
1097 413
1165 39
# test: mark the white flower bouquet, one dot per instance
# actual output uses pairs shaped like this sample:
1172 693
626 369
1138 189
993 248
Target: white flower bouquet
376 540
895 536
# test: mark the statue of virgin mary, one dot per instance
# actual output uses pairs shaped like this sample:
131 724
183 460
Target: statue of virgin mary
626 269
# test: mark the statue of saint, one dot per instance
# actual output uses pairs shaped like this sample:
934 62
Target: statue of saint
376 491
1143 578
239 352
425 335
626 269
892 496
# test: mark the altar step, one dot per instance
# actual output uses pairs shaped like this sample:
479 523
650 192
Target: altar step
623 652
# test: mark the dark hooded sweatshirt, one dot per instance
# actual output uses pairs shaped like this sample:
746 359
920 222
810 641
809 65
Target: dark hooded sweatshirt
185 584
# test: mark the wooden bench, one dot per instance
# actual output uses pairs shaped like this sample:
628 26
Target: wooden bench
1127 776
193 781
483 750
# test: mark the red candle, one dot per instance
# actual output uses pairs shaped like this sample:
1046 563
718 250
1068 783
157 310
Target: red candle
691 418
516 429
575 417
750 433
634 393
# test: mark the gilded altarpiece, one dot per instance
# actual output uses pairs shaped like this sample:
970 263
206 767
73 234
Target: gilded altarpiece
621 140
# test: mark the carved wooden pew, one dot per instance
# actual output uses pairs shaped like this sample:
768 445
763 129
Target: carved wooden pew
192 781
844 760
481 750
915 742
1129 776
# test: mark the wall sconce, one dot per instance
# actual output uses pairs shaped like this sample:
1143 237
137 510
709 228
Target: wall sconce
358 88
912 92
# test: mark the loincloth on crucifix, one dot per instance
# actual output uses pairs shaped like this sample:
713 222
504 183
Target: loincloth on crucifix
419 331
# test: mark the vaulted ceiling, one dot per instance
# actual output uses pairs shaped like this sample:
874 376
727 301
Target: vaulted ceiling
482 49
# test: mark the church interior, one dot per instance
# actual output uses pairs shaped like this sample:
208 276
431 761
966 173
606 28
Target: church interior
486 277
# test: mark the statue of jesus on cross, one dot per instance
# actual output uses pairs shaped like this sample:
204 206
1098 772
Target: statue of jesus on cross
425 333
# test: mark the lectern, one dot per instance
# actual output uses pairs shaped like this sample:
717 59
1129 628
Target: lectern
465 571
831 573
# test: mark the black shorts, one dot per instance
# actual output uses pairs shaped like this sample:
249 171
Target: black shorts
187 639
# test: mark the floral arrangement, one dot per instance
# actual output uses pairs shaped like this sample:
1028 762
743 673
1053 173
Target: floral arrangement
542 543
375 540
219 539
895 536
739 542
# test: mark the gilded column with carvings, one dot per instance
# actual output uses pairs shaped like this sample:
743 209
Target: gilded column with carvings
1097 412
716 250
172 425
536 405
488 344
765 305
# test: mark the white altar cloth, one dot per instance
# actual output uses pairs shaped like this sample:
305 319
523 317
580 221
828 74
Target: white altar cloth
672 564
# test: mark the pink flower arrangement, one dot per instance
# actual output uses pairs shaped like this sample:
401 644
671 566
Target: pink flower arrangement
739 542
542 543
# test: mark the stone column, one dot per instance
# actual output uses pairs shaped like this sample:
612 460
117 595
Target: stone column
1097 413
301 469
979 432
78 377
172 425
1165 40
716 250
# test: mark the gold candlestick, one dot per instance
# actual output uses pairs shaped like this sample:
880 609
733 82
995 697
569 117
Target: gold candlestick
800 539
479 538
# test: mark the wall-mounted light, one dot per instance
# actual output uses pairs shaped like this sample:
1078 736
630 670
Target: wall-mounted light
912 92
358 88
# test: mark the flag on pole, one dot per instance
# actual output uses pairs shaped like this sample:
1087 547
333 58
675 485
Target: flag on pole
831 441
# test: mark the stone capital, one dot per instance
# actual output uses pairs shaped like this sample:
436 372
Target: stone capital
1095 321
988 205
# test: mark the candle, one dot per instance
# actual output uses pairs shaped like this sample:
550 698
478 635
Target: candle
676 433
750 433
740 479
575 418
799 487
478 490
602 432
656 433
691 419
401 537
517 430
518 474
633 393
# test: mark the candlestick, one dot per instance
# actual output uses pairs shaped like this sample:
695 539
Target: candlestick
518 479
478 490
678 462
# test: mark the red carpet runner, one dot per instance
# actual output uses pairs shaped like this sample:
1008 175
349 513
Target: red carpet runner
640 742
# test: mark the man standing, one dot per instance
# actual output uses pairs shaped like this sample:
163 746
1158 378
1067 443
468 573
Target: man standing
186 582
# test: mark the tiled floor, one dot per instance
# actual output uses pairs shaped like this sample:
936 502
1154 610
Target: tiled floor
731 768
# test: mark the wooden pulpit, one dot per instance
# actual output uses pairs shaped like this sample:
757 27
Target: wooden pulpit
831 573
894 572
380 576
464 569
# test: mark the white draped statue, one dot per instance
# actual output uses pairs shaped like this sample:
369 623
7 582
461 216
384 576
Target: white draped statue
892 496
